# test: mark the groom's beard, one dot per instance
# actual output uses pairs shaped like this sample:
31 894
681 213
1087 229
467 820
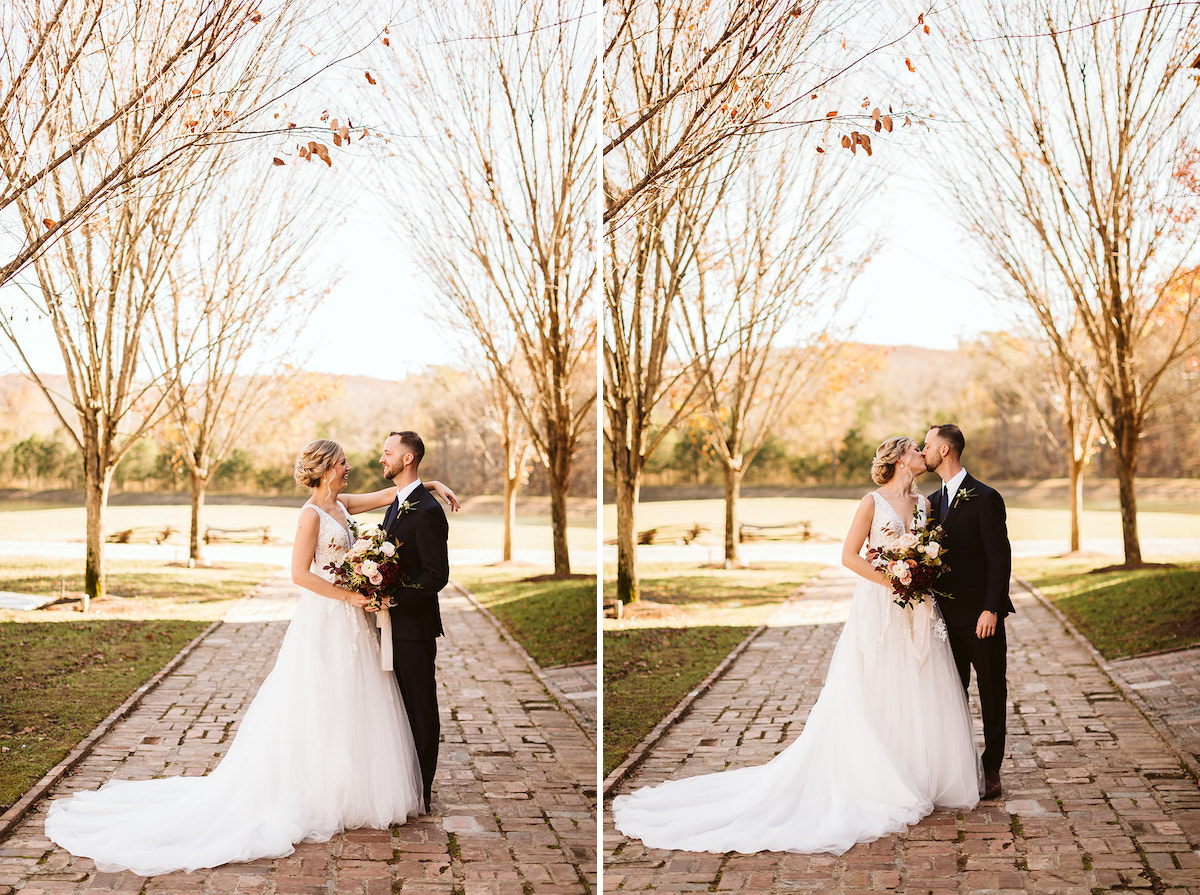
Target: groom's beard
390 473
932 465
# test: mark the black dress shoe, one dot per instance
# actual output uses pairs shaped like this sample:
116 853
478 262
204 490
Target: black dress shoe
991 785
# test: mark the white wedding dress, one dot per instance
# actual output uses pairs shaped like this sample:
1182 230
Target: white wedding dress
324 746
889 737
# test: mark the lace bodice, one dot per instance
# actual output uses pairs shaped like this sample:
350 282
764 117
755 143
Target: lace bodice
886 523
332 540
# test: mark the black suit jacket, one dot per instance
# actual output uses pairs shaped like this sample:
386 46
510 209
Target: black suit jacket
977 551
423 557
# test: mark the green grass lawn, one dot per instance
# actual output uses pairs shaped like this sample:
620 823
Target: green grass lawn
555 621
648 670
1122 613
686 621
61 680
64 672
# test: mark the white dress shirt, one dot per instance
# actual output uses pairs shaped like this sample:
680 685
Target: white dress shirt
952 487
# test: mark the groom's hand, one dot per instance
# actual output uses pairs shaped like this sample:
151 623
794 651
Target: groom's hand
986 626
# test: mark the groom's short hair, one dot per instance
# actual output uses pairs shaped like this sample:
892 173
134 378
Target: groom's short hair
413 442
952 434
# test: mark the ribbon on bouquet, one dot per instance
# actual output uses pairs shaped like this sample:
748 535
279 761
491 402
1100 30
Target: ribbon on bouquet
922 625
383 621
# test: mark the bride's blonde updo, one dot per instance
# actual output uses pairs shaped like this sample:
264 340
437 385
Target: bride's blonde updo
887 455
314 461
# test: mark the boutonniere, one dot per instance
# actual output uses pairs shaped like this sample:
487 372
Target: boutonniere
963 495
407 507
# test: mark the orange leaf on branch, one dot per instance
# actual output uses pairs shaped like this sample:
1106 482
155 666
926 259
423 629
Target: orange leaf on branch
908 62
278 161
49 223
370 80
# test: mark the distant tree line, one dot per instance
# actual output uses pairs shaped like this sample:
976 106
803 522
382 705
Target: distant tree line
1010 415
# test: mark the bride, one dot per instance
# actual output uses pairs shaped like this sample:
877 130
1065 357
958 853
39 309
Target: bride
324 746
889 737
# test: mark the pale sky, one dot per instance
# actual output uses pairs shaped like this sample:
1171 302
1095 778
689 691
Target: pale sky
921 289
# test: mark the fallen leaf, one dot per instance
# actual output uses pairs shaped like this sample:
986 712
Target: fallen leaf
908 62
370 80
832 114
819 149
278 161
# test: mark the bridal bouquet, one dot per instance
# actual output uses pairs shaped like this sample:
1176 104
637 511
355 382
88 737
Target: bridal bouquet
912 562
370 567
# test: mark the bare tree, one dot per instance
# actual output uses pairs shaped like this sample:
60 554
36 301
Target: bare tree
1048 387
97 287
722 71
768 311
651 374
112 114
118 93
497 203
224 335
495 426
1065 178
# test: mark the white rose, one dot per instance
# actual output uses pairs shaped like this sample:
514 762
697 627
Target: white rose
933 548
370 567
387 548
361 545
907 540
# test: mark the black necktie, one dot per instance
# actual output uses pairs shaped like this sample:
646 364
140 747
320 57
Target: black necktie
945 504
390 514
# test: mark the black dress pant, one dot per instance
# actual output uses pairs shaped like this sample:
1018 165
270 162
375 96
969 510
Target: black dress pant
413 661
989 656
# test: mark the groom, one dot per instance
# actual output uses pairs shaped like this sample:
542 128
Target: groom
980 559
416 520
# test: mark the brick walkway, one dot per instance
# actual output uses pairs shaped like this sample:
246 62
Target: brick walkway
1094 800
514 797
578 684
1169 687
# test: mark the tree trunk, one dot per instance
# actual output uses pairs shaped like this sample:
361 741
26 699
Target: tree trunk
198 486
1075 462
511 483
560 471
733 490
1127 460
628 484
96 485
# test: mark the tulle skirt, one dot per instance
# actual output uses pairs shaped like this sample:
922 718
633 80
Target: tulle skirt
324 746
889 738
